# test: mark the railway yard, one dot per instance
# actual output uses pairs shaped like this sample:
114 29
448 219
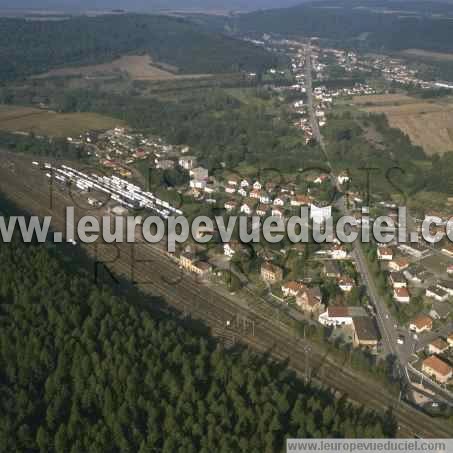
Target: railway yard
251 324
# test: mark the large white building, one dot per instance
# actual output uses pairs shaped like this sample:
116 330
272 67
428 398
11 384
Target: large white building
320 214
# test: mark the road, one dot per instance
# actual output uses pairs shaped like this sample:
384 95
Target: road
386 323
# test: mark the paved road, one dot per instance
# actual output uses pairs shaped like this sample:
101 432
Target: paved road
385 321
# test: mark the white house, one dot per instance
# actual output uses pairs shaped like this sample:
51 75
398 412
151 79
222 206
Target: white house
230 189
279 201
276 212
246 209
257 185
335 316
338 252
320 214
346 284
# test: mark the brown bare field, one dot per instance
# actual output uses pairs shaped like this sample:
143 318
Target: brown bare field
378 99
437 56
52 124
428 124
137 67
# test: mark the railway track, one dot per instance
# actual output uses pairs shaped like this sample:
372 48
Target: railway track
188 296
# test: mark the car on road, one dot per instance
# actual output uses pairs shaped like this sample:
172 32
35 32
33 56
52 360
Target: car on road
400 339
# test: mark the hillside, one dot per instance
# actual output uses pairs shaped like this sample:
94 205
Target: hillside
372 25
37 46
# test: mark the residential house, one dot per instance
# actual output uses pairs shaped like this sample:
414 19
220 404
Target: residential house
346 284
301 200
231 248
187 162
245 183
271 273
233 181
190 263
438 346
230 205
265 198
261 210
365 332
436 293
401 295
340 316
397 280
398 264
279 201
384 253
246 209
437 369
310 300
291 288
257 185
421 323
416 274
242 192
342 178
277 212
338 252
332 270
230 189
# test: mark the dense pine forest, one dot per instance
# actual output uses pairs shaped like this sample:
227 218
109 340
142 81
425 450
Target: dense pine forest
36 46
84 370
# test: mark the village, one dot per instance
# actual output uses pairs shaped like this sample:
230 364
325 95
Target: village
319 284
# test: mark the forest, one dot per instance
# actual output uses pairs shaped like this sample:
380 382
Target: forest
356 25
83 369
34 47
218 126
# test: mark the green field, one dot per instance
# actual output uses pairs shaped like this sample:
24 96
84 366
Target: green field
42 122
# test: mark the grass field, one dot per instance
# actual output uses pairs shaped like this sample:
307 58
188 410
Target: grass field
42 122
382 99
428 124
136 67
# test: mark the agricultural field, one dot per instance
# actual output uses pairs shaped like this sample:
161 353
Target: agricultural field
427 55
136 67
43 122
428 124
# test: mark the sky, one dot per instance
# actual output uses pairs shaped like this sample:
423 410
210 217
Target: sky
147 5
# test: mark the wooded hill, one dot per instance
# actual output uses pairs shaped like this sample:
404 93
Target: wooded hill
31 47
